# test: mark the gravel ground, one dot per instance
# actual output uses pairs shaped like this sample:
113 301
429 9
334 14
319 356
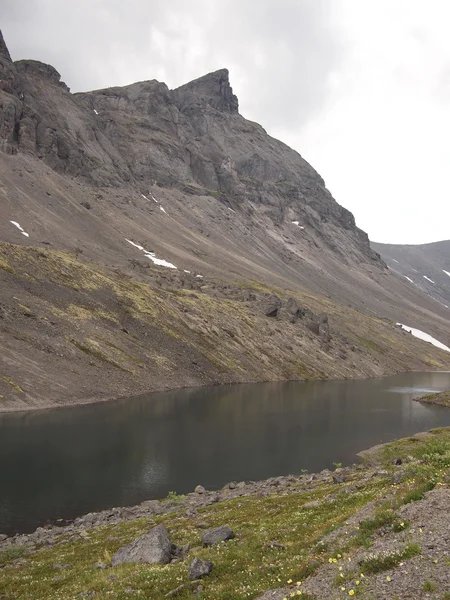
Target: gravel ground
426 575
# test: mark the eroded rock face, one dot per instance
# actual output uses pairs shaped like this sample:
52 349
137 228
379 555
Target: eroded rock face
152 548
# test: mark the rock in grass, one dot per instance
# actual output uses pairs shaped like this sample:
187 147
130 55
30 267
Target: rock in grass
200 568
219 534
152 548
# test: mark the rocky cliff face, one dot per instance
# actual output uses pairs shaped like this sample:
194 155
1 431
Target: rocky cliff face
192 139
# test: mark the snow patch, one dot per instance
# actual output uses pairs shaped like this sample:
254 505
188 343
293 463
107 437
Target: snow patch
446 272
95 112
161 208
424 336
153 197
408 278
232 210
396 261
199 276
152 256
20 228
186 271
428 279
145 197
298 224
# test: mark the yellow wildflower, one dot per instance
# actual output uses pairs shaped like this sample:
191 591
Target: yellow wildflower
388 578
339 556
299 583
342 589
351 592
357 582
289 580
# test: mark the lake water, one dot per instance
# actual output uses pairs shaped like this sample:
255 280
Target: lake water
66 462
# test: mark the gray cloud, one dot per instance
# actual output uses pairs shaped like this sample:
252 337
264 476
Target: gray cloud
280 52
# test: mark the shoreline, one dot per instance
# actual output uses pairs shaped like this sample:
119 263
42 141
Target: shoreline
158 506
92 400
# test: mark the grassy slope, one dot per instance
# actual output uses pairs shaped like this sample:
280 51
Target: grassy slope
246 566
441 399
73 331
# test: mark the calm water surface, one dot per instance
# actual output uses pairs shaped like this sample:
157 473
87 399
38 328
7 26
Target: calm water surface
66 462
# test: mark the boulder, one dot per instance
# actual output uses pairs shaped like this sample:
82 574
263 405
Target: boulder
200 568
152 548
217 535
199 489
271 306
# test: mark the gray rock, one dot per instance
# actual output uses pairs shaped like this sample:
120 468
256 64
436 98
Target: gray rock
200 568
3 537
152 548
271 306
200 489
100 565
216 535
62 566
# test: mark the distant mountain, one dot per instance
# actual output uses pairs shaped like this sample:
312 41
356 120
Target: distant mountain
426 266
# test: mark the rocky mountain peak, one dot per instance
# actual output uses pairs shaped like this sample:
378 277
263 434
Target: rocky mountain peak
215 88
4 52
41 70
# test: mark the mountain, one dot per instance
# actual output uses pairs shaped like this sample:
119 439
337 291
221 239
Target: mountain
155 238
426 266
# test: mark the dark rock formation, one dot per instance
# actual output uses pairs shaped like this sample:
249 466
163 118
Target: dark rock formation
153 548
217 535
200 568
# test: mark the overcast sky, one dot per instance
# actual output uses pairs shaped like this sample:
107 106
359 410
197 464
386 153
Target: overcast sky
361 88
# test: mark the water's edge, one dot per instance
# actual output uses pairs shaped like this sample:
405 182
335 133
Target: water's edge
92 400
197 499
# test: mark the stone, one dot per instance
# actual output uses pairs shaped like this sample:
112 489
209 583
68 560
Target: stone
199 568
199 489
217 535
62 566
338 479
3 537
271 306
152 548
100 565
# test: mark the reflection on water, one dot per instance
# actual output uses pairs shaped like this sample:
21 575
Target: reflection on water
65 462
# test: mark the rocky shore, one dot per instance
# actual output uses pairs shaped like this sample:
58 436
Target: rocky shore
380 527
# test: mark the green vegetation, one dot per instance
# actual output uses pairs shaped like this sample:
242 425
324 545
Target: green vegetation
388 560
429 586
12 383
174 497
